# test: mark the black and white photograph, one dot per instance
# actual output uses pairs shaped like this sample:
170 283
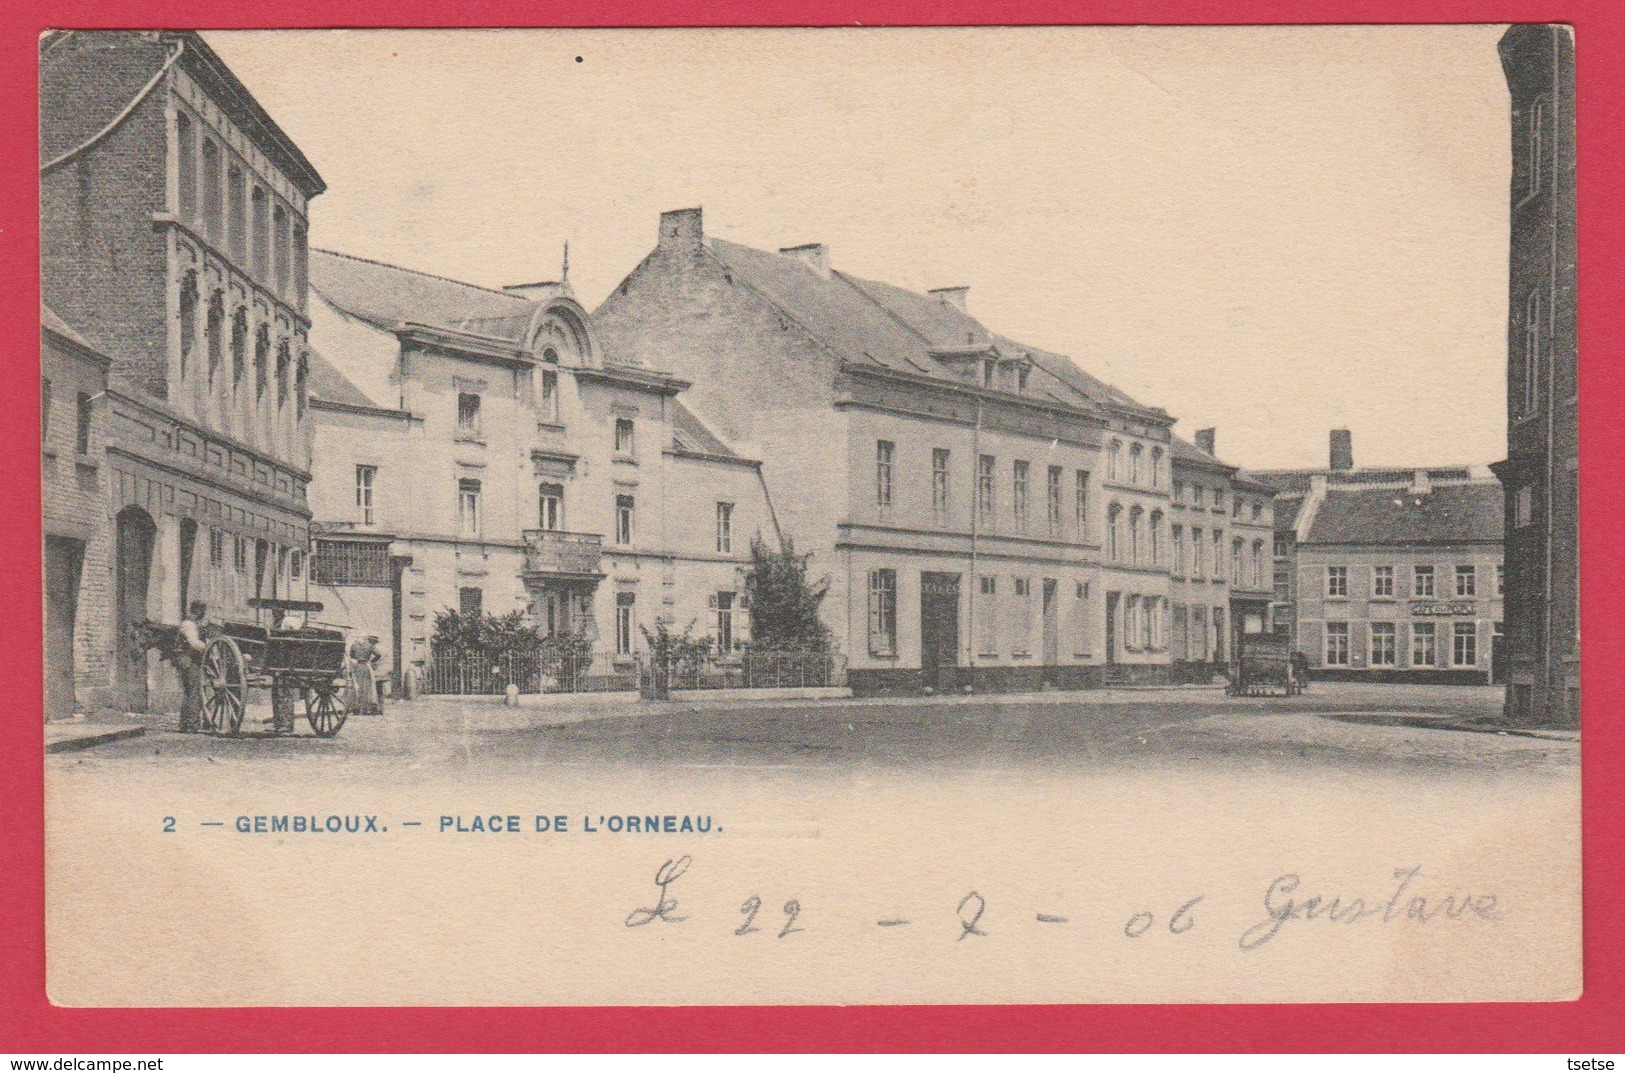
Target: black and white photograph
815 516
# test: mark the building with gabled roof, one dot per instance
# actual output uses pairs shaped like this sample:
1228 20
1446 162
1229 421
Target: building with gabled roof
988 515
479 450
1390 573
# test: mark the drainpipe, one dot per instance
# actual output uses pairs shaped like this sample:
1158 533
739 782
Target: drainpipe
975 521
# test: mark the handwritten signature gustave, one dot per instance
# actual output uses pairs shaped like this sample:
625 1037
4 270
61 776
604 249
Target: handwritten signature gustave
1282 906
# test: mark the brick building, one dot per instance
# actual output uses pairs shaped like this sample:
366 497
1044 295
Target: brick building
477 449
1541 471
989 515
1389 574
172 233
73 456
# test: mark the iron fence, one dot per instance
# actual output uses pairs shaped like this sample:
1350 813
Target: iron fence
465 674
750 670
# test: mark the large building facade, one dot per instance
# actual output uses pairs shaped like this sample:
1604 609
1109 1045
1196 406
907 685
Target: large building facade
987 514
1541 471
172 230
1388 574
478 451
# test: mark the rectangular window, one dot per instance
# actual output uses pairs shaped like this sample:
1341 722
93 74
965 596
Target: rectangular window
1018 497
1054 498
84 410
883 612
470 601
296 565
550 396
468 507
550 507
259 223
1196 495
1337 581
236 216
939 482
984 489
1080 504
1384 646
1283 546
1523 507
212 215
625 620
1179 493
987 610
1422 581
1218 555
725 528
1464 644
625 437
365 477
1466 581
239 555
1500 579
279 248
1237 574
217 548
1424 644
186 166
625 506
1337 644
1021 618
1382 581
885 452
722 622
468 415
1179 550
1198 554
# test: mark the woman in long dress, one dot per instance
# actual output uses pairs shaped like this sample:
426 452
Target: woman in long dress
364 658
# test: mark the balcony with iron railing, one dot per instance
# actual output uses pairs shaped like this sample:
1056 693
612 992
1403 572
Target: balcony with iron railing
555 553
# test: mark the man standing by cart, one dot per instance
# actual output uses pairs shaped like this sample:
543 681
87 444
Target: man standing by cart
189 662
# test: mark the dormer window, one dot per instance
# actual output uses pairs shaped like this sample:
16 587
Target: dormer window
1021 378
988 368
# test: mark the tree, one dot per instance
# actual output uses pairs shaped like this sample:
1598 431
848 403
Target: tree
784 602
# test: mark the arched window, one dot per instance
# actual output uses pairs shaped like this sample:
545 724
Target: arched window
239 344
1135 461
1114 460
214 332
1258 564
1114 525
188 319
1236 575
1156 538
283 358
262 360
1156 467
1135 518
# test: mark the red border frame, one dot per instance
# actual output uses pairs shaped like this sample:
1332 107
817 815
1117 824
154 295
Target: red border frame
1595 1023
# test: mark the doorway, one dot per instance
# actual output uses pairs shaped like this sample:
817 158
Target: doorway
64 559
939 631
135 534
1052 624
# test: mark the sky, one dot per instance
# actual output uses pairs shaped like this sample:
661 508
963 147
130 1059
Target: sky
1270 231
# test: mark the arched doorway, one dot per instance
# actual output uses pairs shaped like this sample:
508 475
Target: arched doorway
135 535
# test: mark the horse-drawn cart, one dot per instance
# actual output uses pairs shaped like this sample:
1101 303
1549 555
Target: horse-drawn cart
303 663
1262 667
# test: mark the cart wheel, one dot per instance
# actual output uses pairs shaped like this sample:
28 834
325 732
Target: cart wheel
225 687
324 709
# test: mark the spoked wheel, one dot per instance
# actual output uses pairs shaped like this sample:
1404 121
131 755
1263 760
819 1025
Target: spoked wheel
225 687
325 709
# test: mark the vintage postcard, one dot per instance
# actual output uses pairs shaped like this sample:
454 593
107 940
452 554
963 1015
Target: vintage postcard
815 516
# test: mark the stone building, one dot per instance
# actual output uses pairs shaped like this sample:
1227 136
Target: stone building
988 515
172 232
1221 532
1541 472
478 450
1389 574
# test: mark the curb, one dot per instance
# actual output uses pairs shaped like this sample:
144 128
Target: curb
86 741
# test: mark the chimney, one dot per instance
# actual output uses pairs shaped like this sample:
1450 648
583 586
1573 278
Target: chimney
681 228
1421 484
951 296
815 255
1342 449
1206 438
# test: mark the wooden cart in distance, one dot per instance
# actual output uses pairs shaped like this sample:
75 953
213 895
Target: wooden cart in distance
1262 667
